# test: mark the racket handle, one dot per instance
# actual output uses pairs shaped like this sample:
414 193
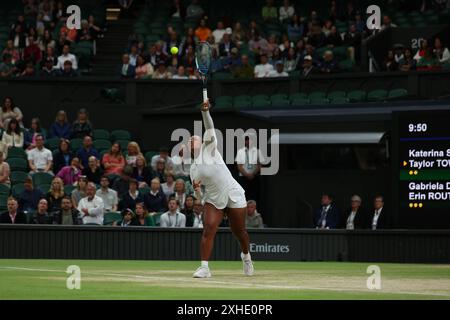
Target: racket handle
205 94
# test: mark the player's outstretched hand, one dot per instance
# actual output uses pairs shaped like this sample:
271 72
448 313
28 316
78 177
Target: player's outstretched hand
205 106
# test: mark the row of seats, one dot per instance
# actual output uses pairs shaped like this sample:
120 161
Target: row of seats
315 97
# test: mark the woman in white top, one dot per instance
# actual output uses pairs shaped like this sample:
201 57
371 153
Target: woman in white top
13 136
221 192
168 187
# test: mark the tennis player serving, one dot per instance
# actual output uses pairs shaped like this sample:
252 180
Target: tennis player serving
222 195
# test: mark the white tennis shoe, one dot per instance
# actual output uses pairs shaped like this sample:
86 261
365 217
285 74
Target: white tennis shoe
202 272
248 265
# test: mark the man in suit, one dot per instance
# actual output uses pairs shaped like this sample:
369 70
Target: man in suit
126 70
380 218
356 218
327 216
12 216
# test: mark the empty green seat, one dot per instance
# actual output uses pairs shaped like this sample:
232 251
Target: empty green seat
110 217
15 152
102 144
42 178
120 135
18 177
299 101
261 103
17 164
149 155
356 96
340 100
68 189
242 103
317 95
44 188
122 143
397 93
242 97
17 189
336 94
260 97
377 95
144 190
222 76
340 53
279 96
101 134
52 143
3 202
157 218
346 65
298 95
320 101
4 189
76 144
281 103
150 221
224 100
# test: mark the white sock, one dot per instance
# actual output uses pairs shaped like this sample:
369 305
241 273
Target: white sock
205 264
247 256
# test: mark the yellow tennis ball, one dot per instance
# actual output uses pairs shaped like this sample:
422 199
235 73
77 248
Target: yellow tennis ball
174 50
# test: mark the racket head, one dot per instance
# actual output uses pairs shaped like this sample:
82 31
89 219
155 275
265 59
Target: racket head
203 56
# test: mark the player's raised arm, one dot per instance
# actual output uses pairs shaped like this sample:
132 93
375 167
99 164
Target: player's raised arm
210 135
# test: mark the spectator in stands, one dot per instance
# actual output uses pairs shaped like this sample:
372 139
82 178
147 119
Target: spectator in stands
286 11
29 70
407 63
156 200
380 218
29 197
442 53
389 63
295 28
67 215
13 215
126 71
41 216
132 197
356 217
398 52
7 68
91 207
178 10
194 10
423 47
10 111
133 55
67 71
168 187
144 70
46 43
232 61
263 69
80 192
196 220
180 192
181 74
161 72
163 154
308 67
143 218
15 54
238 35
55 195
40 159
279 71
13 135
219 32
387 22
173 218
18 36
316 38
59 12
108 195
243 71
4 171
269 11
334 39
327 216
203 32
121 184
133 151
226 45
93 171
61 128
160 169
82 127
258 45
329 64
128 219
291 61
253 218
70 174
32 53
141 172
66 56
326 29
87 151
30 134
84 34
248 162
428 61
63 156
69 33
114 161
352 39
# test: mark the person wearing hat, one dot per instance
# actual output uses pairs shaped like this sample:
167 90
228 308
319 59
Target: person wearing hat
308 67
279 70
127 219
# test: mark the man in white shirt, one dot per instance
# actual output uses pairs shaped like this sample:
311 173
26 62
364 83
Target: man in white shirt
173 218
109 196
263 69
181 74
91 207
219 32
66 56
278 72
40 159
286 11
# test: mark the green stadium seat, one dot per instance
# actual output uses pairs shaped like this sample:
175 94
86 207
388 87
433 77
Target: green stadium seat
377 95
317 95
102 144
320 101
346 65
242 103
110 217
5 189
18 177
356 96
42 178
123 144
44 188
299 101
397 93
15 152
340 100
52 143
76 144
149 155
144 190
222 76
260 97
150 221
279 96
17 164
17 189
281 103
68 189
224 100
298 95
157 218
340 53
336 94
120 135
3 202
261 103
101 134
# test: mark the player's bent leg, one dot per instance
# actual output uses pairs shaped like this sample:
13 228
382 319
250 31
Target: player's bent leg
211 221
237 225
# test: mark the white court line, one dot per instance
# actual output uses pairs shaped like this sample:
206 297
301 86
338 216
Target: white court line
239 284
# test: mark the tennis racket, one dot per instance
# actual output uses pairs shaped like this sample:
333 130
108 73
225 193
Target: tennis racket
203 54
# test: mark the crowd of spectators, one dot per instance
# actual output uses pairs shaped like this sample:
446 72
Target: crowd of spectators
41 45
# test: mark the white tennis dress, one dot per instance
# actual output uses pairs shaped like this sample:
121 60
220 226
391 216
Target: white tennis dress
221 189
